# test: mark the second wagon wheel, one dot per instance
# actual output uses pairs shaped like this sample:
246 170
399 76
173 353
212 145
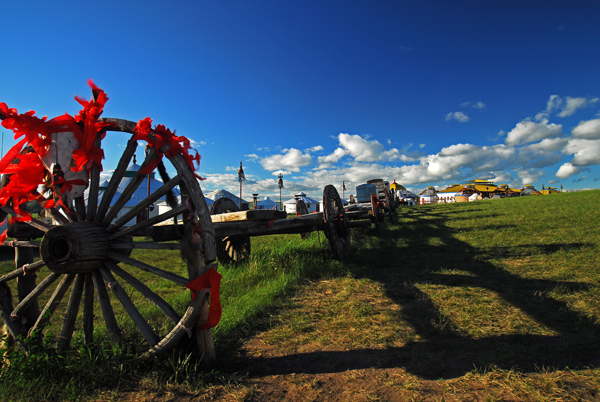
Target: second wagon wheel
301 209
89 257
389 206
335 223
230 248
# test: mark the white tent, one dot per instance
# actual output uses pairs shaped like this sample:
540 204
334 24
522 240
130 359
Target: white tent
215 195
267 203
147 186
311 204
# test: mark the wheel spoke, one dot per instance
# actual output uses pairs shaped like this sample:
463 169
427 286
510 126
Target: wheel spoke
142 206
180 280
24 270
15 327
80 209
126 195
158 301
88 310
107 310
58 217
52 303
66 332
94 186
115 180
31 297
149 222
36 223
138 319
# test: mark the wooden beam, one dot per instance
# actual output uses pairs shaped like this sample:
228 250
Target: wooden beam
252 215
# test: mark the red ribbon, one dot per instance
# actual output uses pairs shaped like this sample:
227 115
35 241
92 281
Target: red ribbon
212 279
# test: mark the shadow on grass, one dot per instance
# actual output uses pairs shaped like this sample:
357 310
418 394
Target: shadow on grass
442 351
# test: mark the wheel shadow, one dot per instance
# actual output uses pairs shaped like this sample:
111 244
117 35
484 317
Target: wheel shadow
442 351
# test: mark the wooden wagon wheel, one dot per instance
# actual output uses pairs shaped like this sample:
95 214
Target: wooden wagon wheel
375 213
389 207
335 223
230 248
302 209
84 251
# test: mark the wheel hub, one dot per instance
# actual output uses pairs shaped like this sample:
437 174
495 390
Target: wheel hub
79 247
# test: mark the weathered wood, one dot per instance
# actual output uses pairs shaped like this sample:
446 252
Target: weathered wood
185 326
145 246
92 206
79 247
24 243
335 223
192 186
16 327
127 193
32 296
287 226
57 216
158 301
88 310
23 270
149 222
251 215
107 311
231 248
142 206
26 284
139 321
80 209
44 227
22 230
66 332
115 179
52 304
180 280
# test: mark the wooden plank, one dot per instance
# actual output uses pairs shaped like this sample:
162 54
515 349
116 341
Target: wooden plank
252 215
282 226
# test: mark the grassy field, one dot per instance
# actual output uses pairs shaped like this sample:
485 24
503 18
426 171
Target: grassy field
490 300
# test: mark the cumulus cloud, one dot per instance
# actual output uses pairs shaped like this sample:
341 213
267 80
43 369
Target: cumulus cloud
328 160
315 148
292 159
567 106
458 116
531 131
567 170
584 151
587 129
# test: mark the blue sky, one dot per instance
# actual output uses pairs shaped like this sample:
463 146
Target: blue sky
421 92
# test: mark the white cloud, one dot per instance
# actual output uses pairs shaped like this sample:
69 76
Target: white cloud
475 105
360 149
567 106
328 160
530 131
567 170
529 176
585 152
587 129
292 159
458 116
315 148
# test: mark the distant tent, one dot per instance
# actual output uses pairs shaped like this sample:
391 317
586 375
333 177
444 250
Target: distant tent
311 204
215 195
267 203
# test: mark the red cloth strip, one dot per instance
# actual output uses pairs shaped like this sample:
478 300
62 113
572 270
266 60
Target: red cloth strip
212 279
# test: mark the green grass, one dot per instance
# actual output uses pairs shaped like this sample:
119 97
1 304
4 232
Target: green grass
503 293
